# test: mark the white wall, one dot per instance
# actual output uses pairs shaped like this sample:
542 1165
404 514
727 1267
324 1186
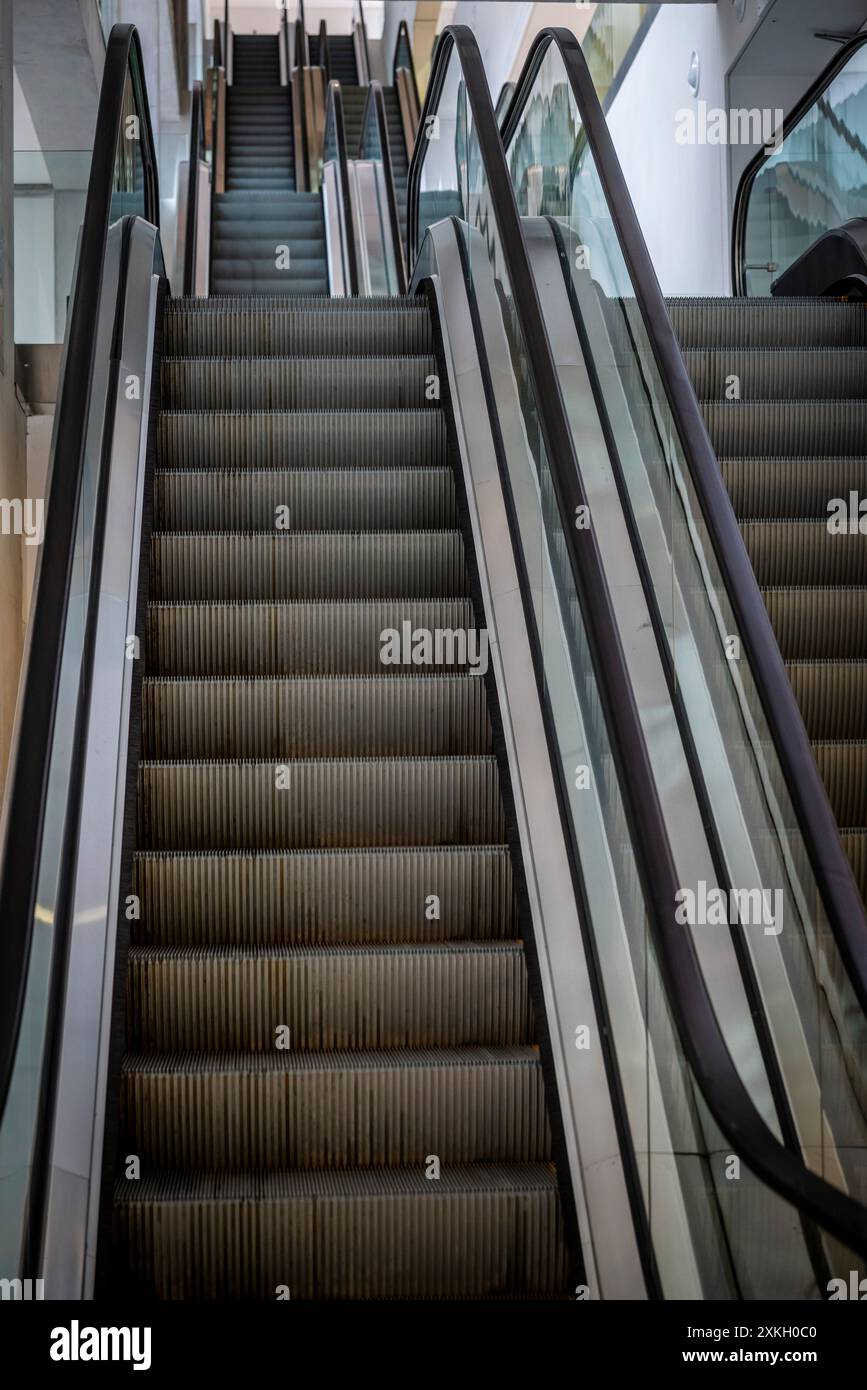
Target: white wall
499 31
679 191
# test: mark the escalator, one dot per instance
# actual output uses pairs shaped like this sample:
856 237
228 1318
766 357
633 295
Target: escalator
789 444
263 669
347 823
268 236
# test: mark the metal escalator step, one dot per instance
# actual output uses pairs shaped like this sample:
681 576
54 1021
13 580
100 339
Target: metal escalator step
319 803
319 564
778 373
314 716
820 624
791 488
211 327
769 322
236 998
803 552
322 439
275 383
328 637
832 696
786 429
334 1110
331 897
843 766
316 499
354 1235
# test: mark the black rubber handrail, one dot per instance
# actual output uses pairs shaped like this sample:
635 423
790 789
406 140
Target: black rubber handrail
363 28
374 110
197 145
30 760
838 890
334 117
403 32
742 198
323 50
701 1037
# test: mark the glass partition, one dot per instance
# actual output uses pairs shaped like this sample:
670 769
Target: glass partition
790 959
814 182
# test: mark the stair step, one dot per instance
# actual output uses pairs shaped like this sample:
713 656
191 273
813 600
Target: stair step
823 623
323 564
304 638
334 1110
314 716
234 998
775 374
359 499
786 429
192 328
327 897
319 803
275 383
366 1234
791 488
768 323
322 439
787 553
832 696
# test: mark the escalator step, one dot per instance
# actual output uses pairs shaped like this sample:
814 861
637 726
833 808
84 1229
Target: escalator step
356 498
357 1235
791 487
819 624
334 1110
320 564
773 374
843 766
324 439
325 637
803 552
786 429
769 323
329 897
855 845
234 998
210 327
315 716
324 803
275 383
832 696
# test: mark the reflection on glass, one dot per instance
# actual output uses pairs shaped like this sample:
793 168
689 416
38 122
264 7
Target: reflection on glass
815 182
610 34
817 1029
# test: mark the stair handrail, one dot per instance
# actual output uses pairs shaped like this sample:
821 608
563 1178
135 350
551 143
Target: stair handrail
375 115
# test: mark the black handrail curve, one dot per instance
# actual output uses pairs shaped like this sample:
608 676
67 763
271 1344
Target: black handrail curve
363 28
38 696
698 1028
374 110
838 890
197 145
403 31
334 116
323 50
753 169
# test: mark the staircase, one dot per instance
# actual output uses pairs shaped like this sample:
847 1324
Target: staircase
341 58
266 238
331 1078
793 442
